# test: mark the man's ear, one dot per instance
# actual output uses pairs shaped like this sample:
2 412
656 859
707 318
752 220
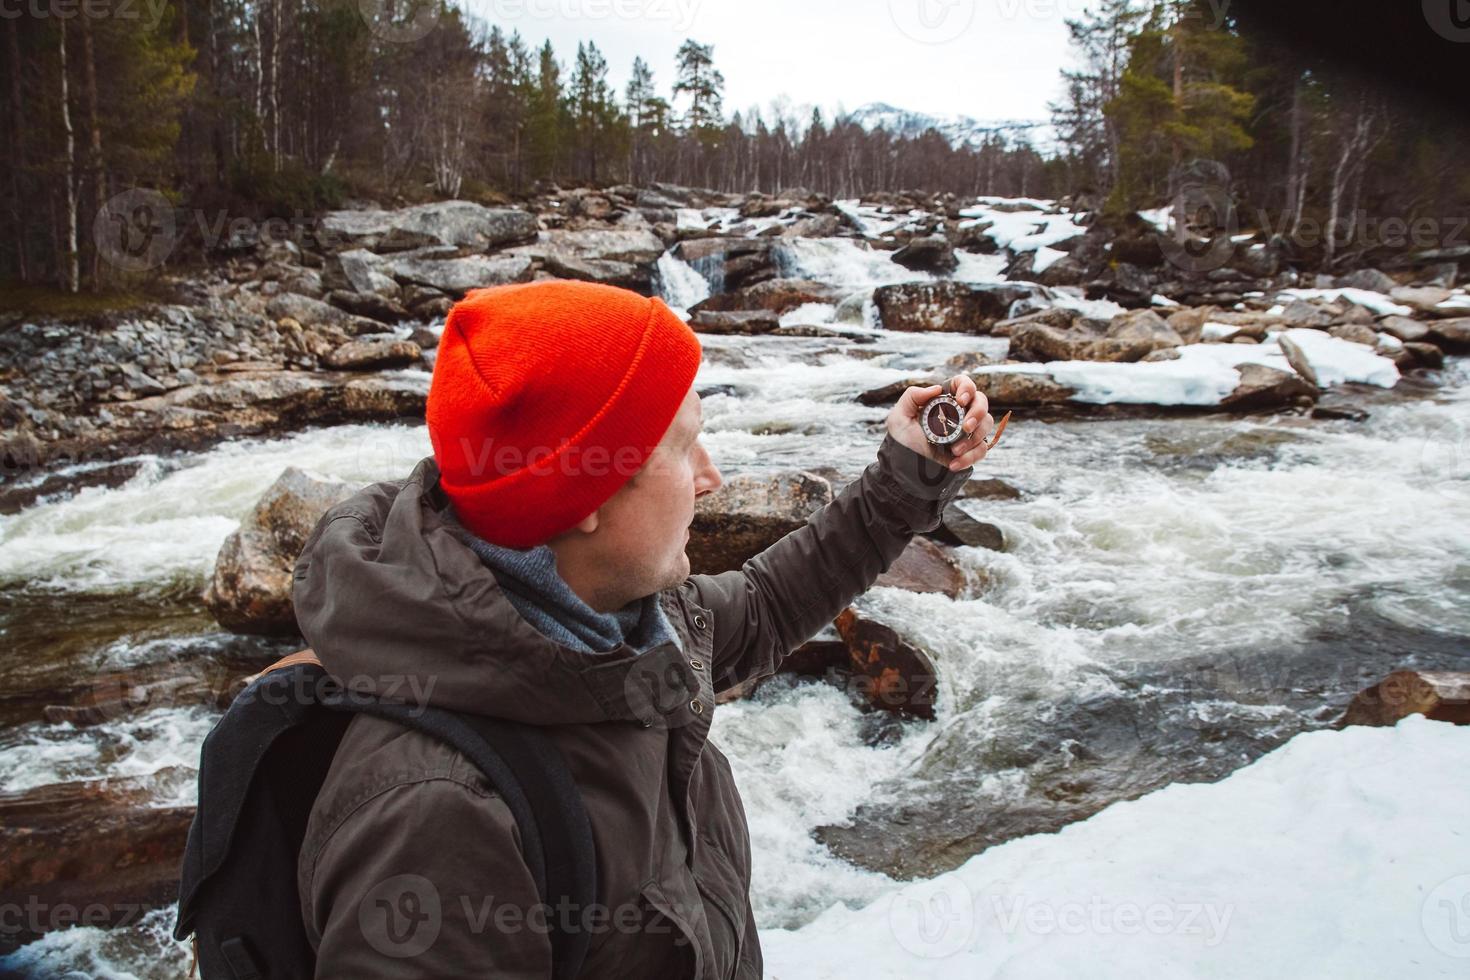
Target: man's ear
589 523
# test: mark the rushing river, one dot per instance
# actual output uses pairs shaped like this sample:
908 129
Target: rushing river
1184 593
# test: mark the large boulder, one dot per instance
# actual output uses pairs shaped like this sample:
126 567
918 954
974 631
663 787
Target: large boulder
749 514
898 676
734 322
250 591
955 307
360 271
1133 334
462 224
1006 390
924 566
457 276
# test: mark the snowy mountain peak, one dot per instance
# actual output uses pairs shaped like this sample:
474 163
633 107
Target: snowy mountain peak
958 130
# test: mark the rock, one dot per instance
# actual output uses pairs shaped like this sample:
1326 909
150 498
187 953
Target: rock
949 306
1015 389
966 363
95 853
924 566
374 306
1423 355
1036 341
1370 279
734 322
1424 300
425 337
1264 387
1437 695
1356 333
890 393
1053 316
929 254
958 528
1133 334
1442 274
622 274
991 489
1298 360
813 226
250 591
366 354
635 246
1123 283
1300 313
777 295
462 224
361 271
458 276
1189 322
900 677
748 515
1404 328
311 313
1452 334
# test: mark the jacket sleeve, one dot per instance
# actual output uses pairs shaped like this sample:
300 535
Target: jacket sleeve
387 899
783 596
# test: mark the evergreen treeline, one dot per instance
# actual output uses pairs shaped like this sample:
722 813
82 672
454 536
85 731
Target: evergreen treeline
277 108
1174 104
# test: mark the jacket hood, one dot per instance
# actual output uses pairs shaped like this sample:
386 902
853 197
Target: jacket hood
396 605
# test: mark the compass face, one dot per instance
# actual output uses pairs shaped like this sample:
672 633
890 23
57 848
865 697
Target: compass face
941 419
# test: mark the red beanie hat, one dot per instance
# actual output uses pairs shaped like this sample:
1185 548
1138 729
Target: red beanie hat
547 397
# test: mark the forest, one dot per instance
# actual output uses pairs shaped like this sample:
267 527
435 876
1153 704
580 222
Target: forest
280 108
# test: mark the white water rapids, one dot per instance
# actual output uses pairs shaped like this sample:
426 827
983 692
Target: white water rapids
1137 545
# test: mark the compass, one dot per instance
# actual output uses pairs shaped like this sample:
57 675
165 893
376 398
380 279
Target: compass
941 418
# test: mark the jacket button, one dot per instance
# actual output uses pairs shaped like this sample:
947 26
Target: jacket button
699 622
697 707
697 664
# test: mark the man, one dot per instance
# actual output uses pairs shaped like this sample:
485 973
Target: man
533 569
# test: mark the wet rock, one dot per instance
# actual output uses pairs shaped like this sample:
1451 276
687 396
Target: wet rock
87 853
958 528
1420 356
748 515
954 307
250 591
1298 359
426 337
1437 695
777 295
458 276
928 254
729 264
991 489
899 676
1264 387
462 224
734 322
924 566
814 226
374 354
890 393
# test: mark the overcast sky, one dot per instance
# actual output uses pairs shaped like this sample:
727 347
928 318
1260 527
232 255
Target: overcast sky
991 59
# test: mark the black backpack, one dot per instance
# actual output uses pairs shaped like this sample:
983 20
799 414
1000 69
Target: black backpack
260 770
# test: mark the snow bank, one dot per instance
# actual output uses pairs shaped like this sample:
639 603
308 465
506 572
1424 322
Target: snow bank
1339 854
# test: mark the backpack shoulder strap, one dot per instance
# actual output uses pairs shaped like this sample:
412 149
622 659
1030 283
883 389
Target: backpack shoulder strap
532 777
